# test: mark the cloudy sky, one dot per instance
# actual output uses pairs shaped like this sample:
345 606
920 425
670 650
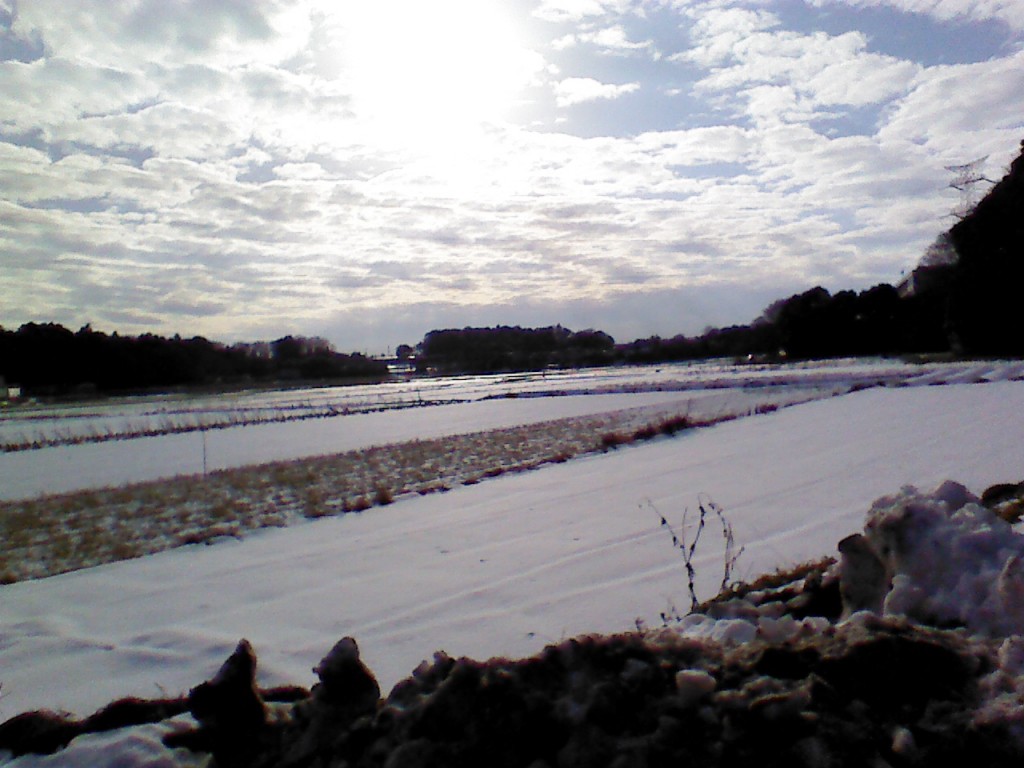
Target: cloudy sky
370 170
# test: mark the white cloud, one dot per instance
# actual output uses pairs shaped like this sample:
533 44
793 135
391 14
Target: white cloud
576 10
52 91
208 181
962 112
701 146
137 34
612 40
1010 12
564 42
615 37
718 32
793 73
577 90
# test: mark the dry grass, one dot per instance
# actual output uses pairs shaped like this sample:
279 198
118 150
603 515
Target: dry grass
776 579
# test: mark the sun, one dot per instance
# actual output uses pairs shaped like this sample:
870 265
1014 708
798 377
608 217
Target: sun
433 71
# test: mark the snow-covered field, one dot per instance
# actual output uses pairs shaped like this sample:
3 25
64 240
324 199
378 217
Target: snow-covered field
97 445
506 566
43 425
67 468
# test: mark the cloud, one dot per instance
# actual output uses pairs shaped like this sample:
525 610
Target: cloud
718 32
701 146
222 180
578 90
1010 12
576 10
962 112
787 74
50 92
139 34
613 40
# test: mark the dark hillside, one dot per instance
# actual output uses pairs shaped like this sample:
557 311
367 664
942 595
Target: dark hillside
984 304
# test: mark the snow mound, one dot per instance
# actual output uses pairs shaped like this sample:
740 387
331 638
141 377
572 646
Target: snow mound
945 560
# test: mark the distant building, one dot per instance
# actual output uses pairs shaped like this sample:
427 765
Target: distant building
8 391
401 367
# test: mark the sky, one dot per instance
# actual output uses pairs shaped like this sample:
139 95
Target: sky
370 171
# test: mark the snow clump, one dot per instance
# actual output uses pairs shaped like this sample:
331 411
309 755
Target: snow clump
948 560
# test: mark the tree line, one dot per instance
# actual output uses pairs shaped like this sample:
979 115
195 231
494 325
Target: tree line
50 360
507 348
813 324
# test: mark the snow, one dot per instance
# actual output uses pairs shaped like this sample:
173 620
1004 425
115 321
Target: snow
65 468
952 560
235 430
503 567
693 684
139 413
943 559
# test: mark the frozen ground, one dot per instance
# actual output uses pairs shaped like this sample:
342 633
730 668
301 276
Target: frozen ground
502 567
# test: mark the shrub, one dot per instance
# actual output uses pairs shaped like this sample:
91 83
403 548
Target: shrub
360 504
382 496
646 432
675 424
612 440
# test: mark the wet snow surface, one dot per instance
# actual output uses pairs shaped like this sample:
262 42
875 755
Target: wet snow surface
507 566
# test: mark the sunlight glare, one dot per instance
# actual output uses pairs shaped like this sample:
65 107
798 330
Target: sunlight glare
433 72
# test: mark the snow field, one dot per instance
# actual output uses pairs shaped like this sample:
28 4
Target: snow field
56 449
502 567
68 468
50 535
35 426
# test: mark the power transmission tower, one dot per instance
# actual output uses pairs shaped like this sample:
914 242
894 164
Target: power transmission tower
966 176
